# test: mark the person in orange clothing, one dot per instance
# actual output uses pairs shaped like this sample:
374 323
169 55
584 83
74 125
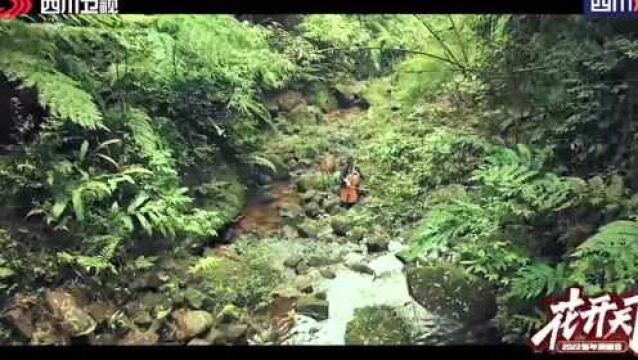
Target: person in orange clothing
351 179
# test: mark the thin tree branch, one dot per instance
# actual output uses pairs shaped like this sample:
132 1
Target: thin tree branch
459 40
448 61
446 49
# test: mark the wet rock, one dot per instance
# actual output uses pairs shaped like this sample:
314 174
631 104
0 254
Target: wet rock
308 229
361 268
312 209
191 323
101 312
309 181
147 282
326 236
216 337
447 289
304 284
47 334
312 307
235 333
306 115
103 339
289 100
309 196
289 232
291 214
138 338
328 274
292 261
230 313
331 205
302 268
340 226
199 342
357 233
231 334
376 245
377 326
263 179
142 317
20 319
194 298
152 300
73 319
318 260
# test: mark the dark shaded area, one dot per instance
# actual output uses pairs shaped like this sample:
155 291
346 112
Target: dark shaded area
287 21
21 116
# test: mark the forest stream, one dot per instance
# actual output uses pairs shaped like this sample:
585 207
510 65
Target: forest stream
176 179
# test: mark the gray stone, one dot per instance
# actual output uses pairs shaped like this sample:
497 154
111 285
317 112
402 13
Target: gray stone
20 319
137 338
312 209
448 290
308 229
328 274
289 232
292 261
316 261
312 307
362 268
340 226
376 245
302 268
191 323
309 196
74 319
142 317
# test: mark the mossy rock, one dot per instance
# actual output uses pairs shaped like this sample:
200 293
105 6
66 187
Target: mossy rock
313 307
310 181
448 290
308 229
322 97
306 115
340 225
377 325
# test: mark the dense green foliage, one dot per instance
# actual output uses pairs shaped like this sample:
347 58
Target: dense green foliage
502 147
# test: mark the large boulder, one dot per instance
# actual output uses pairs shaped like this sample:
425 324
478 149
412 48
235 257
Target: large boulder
192 323
308 229
288 100
306 115
377 326
138 338
340 225
448 290
20 318
377 244
313 307
64 308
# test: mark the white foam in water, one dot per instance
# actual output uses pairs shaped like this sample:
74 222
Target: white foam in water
351 290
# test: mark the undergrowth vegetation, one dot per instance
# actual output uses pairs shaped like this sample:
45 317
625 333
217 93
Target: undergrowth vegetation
504 146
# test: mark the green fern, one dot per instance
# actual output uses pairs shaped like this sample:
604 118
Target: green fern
26 54
540 280
607 260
